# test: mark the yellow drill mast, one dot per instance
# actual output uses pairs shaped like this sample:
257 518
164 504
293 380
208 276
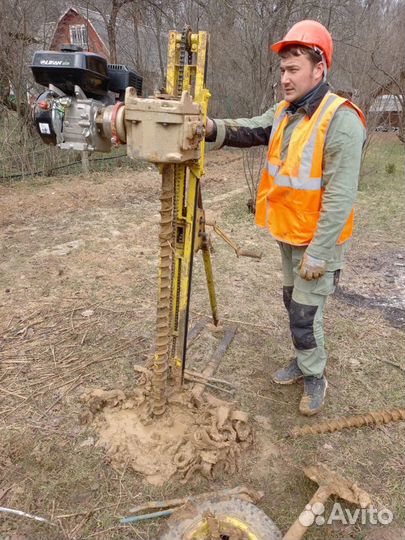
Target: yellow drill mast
182 231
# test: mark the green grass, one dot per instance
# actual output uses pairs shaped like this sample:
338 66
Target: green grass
236 211
381 190
383 166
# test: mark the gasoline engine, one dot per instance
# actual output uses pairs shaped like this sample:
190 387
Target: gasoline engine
83 103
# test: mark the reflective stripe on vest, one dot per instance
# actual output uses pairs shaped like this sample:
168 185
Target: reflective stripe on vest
311 184
301 182
290 194
309 148
277 121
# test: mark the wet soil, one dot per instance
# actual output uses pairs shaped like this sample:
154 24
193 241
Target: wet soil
394 315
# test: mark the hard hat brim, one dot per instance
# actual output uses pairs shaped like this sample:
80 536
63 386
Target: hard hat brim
280 45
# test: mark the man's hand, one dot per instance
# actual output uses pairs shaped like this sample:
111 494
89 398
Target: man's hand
311 268
209 126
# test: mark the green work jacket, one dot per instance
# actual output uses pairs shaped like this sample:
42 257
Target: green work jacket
341 168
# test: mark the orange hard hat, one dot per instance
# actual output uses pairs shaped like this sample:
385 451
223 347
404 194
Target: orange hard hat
310 34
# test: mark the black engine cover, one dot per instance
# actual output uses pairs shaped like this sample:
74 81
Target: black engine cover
67 69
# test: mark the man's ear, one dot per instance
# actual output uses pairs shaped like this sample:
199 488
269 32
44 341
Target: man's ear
319 70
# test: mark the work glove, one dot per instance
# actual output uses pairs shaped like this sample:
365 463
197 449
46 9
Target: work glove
311 268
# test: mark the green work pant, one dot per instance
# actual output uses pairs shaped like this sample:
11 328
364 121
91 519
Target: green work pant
305 301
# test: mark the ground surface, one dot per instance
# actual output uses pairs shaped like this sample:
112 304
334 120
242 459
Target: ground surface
78 271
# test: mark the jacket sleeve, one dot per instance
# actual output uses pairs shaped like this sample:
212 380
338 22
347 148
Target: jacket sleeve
242 132
341 168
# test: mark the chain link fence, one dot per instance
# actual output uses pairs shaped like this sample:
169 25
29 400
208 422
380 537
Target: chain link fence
23 154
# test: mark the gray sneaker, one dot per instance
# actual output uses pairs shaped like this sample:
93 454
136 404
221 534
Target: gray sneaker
289 374
314 395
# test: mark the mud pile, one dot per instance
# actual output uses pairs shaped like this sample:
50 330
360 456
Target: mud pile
206 437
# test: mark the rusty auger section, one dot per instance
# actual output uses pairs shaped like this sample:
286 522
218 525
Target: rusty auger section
346 422
163 316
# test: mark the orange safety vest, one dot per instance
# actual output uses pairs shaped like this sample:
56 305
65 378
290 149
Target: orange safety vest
289 197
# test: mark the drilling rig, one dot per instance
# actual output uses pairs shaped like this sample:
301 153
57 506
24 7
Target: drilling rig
92 106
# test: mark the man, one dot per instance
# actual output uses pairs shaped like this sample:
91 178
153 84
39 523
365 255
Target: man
307 191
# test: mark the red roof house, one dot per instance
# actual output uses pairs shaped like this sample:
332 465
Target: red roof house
75 28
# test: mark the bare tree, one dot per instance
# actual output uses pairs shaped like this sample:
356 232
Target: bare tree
109 11
370 56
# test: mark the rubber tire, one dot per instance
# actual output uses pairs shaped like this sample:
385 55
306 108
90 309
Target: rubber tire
183 522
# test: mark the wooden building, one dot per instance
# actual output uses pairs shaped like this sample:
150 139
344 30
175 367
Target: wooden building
75 28
386 112
139 47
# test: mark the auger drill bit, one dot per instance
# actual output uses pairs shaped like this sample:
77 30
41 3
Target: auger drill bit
346 422
163 316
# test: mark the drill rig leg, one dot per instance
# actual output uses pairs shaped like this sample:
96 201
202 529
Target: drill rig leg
194 238
210 277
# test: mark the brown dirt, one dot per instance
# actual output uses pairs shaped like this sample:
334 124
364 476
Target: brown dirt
78 273
147 448
385 533
189 439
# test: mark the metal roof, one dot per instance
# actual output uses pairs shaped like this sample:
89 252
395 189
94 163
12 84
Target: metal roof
386 103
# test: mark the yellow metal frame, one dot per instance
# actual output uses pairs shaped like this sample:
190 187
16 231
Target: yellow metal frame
189 235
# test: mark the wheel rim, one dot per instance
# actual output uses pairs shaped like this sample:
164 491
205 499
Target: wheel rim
230 528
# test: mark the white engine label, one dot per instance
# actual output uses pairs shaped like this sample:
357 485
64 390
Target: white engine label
44 128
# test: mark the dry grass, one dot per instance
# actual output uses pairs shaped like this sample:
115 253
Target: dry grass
81 319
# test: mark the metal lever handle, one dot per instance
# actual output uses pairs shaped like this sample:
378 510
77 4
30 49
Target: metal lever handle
238 250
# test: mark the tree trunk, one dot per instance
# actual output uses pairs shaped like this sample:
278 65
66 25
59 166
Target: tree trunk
112 28
111 31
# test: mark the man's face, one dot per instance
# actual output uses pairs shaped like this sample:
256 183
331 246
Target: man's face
299 76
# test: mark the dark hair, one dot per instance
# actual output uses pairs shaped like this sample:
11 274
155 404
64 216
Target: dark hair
297 50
